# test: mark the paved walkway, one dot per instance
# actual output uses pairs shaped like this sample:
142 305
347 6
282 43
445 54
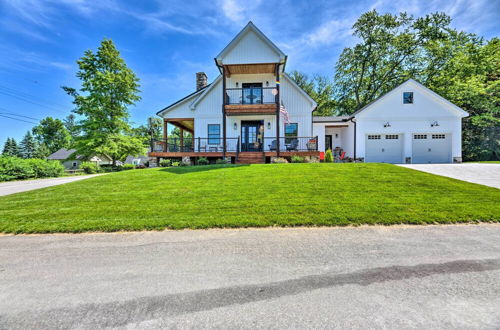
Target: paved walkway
485 174
398 277
12 187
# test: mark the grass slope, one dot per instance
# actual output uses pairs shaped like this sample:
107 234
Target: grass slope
244 196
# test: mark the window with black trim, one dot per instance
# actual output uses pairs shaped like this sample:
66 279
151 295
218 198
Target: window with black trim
213 134
420 136
373 137
291 131
407 97
438 136
392 137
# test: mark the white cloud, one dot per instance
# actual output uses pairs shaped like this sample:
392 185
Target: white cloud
329 32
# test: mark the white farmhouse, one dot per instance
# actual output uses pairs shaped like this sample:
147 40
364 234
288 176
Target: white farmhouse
253 111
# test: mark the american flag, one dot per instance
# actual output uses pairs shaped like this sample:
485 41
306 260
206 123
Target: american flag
284 114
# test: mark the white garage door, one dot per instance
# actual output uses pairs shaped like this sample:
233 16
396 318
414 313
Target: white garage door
431 148
384 148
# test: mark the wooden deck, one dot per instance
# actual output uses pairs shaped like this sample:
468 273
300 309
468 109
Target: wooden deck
250 109
160 154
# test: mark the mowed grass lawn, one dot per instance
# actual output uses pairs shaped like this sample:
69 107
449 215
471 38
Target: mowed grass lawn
249 196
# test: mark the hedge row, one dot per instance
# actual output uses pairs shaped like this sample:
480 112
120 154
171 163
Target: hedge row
14 168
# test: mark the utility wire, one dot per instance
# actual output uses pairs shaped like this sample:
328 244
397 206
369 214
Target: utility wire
30 101
27 95
26 121
17 115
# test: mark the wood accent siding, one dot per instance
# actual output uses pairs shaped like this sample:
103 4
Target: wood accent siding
250 68
240 109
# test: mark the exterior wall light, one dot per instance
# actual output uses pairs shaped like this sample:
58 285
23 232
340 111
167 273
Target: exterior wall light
236 84
387 124
235 126
435 124
267 83
268 125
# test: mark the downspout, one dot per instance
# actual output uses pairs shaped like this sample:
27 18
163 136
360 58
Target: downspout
351 119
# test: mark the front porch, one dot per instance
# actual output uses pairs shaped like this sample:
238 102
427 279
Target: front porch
234 148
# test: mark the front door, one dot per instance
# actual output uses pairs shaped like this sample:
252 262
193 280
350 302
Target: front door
252 135
328 142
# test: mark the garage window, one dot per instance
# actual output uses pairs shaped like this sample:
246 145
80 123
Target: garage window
420 136
392 137
438 136
373 137
408 98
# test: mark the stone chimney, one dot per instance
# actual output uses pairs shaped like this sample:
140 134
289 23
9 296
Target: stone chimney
201 80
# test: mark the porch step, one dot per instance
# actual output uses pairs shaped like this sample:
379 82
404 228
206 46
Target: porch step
250 158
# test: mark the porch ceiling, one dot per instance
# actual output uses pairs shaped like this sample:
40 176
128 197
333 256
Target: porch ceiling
184 123
250 68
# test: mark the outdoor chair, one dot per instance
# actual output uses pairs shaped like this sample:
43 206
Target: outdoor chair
273 145
293 145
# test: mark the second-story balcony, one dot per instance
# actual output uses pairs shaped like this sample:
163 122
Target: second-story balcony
261 100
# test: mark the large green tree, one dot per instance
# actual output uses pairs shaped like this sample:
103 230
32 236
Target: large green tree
385 56
459 66
108 88
52 133
71 126
28 146
319 88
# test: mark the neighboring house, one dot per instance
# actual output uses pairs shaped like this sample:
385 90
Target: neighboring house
71 161
253 101
137 160
410 124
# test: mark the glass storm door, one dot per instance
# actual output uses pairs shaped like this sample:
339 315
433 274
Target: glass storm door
251 135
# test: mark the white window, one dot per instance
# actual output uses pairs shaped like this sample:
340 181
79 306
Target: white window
438 136
420 136
373 137
392 137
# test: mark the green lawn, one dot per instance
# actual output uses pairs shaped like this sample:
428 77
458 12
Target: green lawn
249 196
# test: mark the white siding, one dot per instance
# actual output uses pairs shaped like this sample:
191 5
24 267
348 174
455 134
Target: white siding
408 119
180 110
208 111
251 78
251 49
346 136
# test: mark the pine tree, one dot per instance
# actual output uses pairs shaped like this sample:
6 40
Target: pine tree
28 146
6 148
10 148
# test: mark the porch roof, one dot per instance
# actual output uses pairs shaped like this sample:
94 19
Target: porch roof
330 119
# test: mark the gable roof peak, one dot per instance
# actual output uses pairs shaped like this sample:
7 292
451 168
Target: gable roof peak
250 26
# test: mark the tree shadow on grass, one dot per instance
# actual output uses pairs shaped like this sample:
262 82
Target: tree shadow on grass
200 168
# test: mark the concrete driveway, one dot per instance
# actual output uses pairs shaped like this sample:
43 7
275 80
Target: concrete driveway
12 187
430 277
485 174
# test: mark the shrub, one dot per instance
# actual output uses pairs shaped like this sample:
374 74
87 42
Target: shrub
280 160
175 164
128 167
140 167
203 161
298 159
329 156
89 167
165 163
12 168
221 161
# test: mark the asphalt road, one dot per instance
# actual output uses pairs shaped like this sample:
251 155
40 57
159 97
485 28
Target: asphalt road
487 174
433 277
12 187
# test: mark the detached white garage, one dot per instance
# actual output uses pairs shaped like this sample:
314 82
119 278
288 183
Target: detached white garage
410 124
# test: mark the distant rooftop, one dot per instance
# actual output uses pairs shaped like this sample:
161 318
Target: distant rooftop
62 154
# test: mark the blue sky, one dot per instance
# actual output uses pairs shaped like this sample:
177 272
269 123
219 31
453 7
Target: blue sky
166 42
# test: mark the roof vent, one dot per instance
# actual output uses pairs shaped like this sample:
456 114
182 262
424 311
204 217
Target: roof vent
201 80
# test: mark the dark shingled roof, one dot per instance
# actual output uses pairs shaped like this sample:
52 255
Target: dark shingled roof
62 154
